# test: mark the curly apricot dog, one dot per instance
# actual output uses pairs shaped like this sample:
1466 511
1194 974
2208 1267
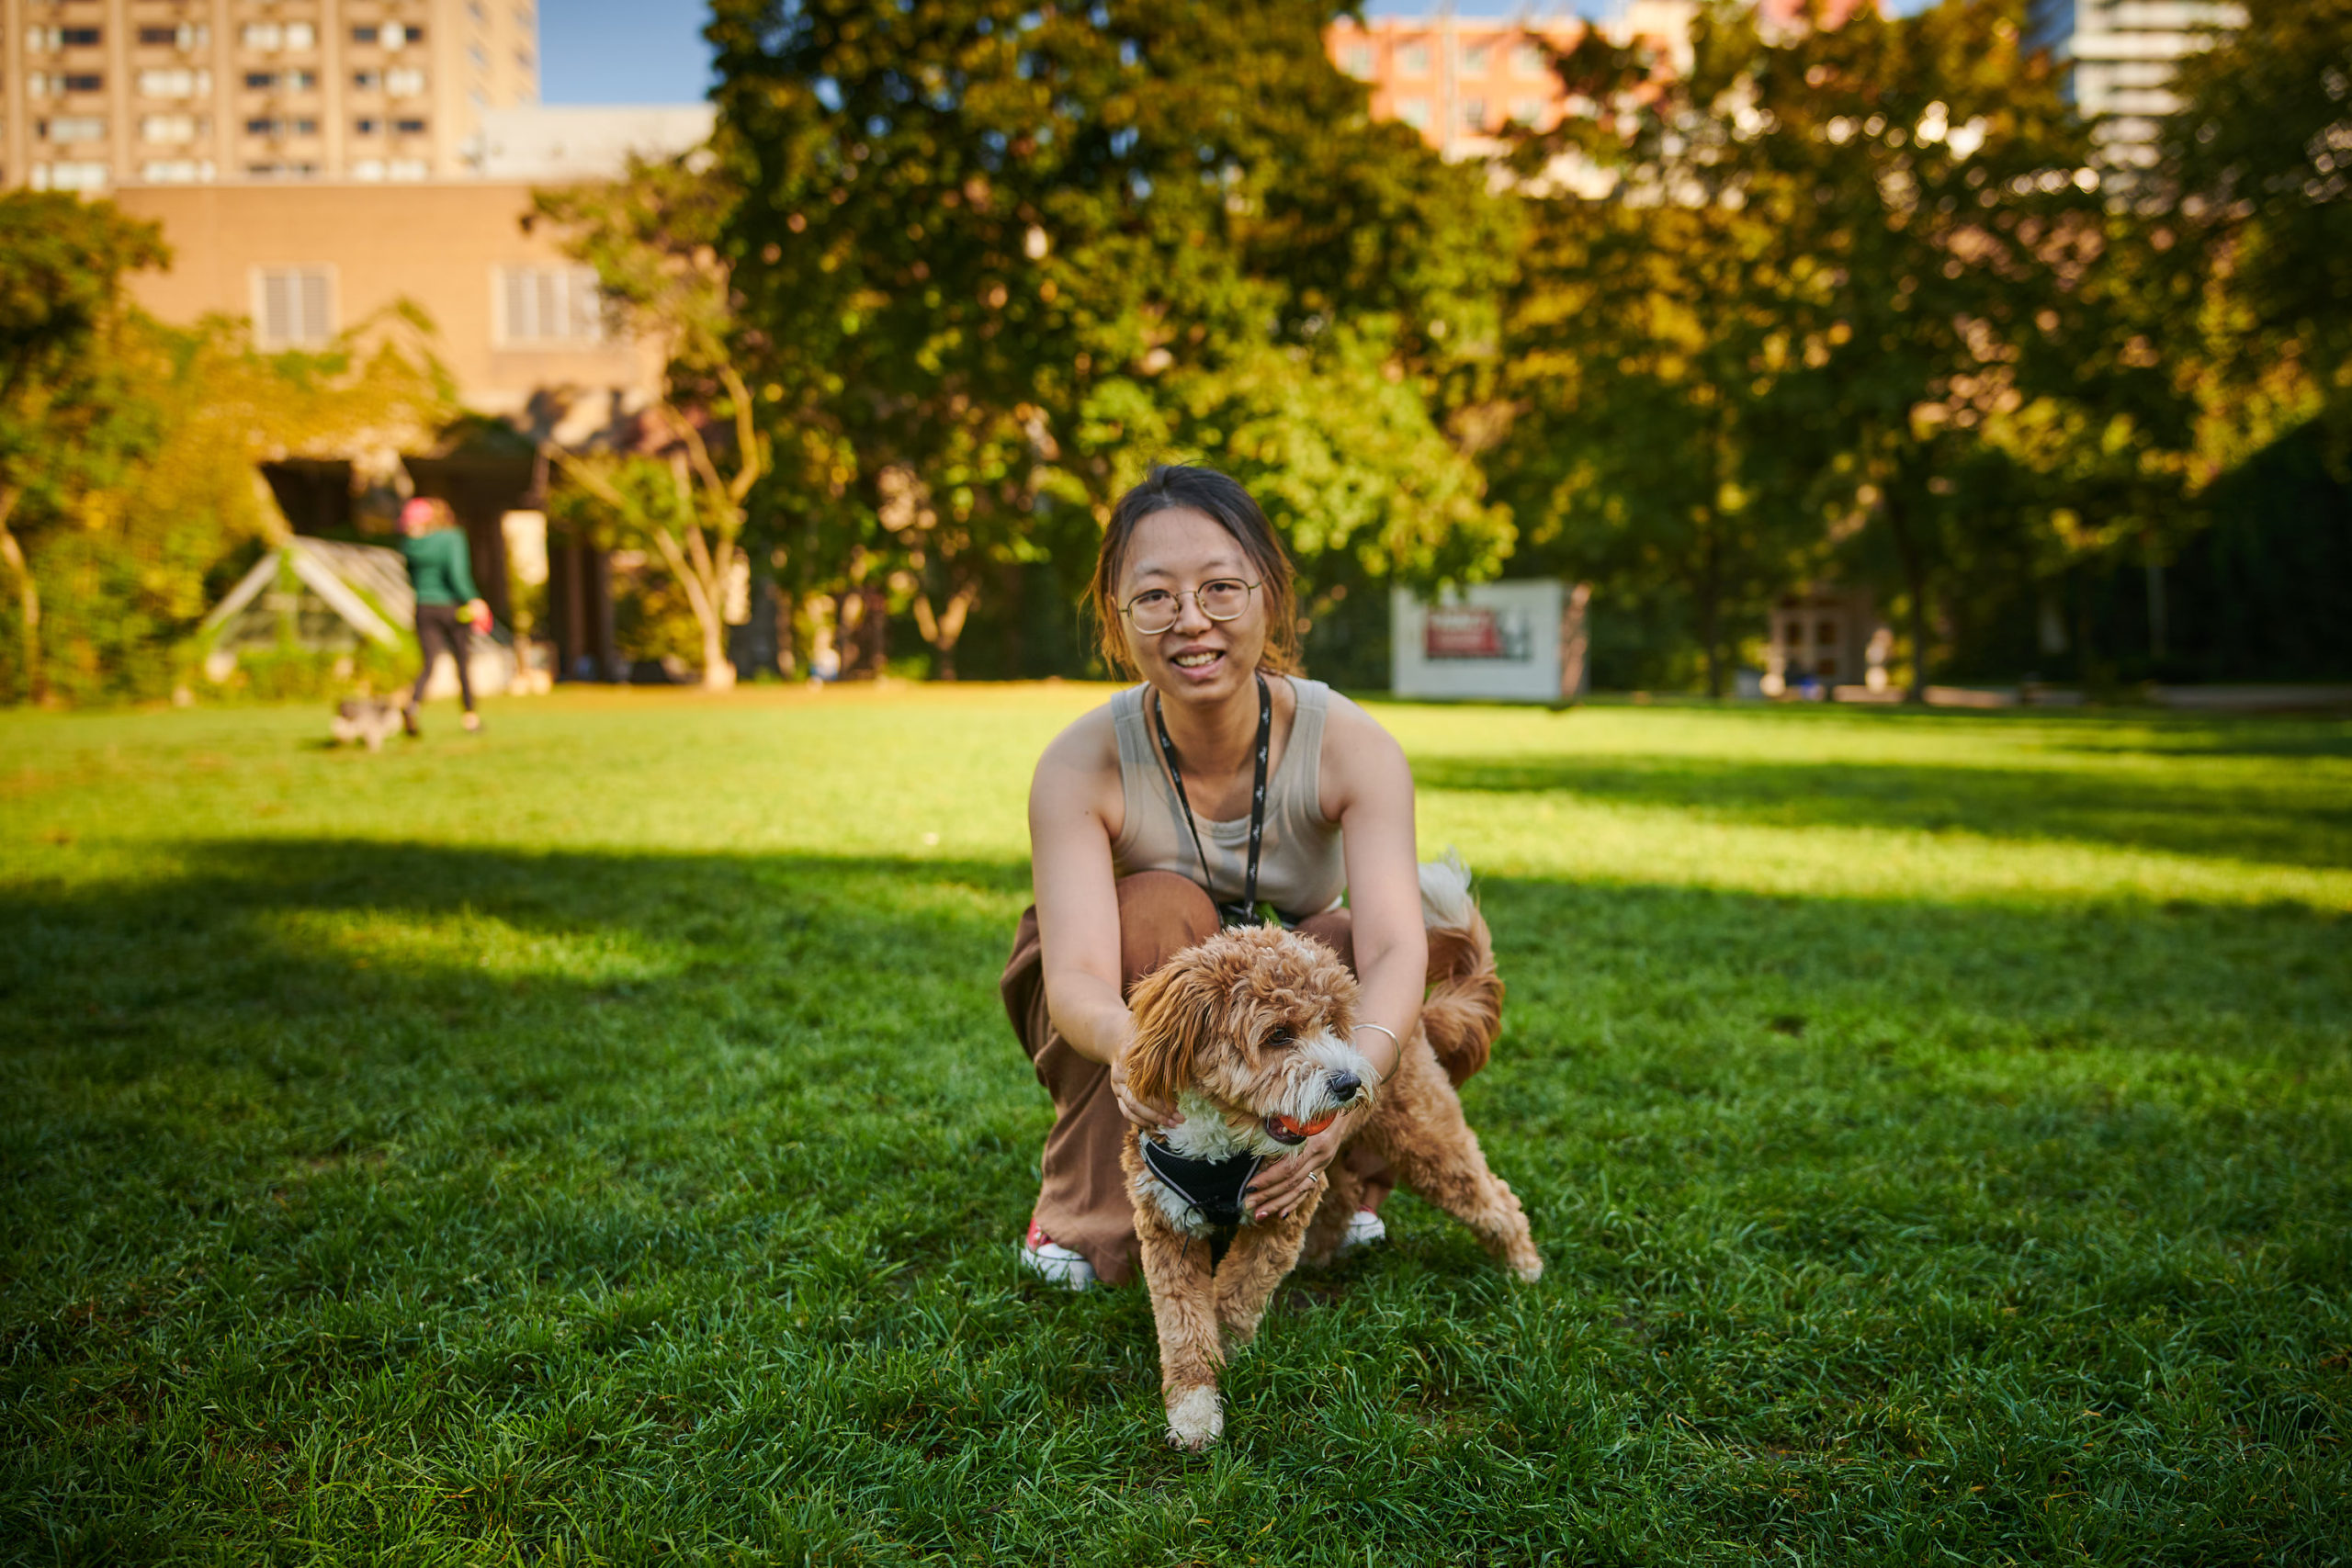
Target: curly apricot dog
1249 1033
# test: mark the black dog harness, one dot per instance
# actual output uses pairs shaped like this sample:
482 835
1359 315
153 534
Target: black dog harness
1212 1188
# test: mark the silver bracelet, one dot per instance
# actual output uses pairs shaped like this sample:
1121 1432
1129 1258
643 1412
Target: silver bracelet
1398 1043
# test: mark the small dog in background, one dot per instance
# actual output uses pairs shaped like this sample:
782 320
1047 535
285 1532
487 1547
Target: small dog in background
365 719
1249 1032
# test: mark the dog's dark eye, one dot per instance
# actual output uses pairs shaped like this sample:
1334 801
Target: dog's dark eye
1280 1040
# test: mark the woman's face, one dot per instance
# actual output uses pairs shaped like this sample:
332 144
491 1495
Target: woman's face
1197 659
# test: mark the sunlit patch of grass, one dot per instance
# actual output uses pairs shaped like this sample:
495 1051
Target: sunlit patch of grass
600 1138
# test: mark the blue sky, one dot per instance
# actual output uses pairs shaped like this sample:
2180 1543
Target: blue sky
652 52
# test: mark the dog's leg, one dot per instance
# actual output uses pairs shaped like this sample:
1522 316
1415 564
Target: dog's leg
1332 1216
1176 1267
1425 1136
1253 1266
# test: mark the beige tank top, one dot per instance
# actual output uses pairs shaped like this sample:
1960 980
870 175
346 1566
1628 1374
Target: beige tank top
1301 870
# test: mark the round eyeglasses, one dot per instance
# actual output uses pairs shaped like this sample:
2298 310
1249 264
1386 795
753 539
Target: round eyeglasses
1155 610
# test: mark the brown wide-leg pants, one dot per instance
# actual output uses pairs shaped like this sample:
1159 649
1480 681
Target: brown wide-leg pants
1084 1203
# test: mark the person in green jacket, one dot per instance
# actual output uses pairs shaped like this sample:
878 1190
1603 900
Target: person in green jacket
446 602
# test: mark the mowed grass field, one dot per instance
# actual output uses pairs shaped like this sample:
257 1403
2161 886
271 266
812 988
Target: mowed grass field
600 1141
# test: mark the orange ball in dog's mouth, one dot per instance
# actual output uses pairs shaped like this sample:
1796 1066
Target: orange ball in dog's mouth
1285 1131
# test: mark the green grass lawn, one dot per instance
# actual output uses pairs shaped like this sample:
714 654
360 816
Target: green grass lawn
599 1140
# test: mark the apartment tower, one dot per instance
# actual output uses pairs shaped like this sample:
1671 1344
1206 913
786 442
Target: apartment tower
105 94
2119 56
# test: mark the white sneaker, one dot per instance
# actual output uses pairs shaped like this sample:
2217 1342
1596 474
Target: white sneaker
1052 1262
1364 1229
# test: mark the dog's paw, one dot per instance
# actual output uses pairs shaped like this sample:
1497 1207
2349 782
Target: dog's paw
1529 1269
1195 1420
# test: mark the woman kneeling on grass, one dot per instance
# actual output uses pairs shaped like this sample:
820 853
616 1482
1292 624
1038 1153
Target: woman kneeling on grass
1147 830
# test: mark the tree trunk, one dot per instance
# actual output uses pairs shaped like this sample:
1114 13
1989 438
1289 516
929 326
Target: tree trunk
1711 614
28 599
718 670
1914 573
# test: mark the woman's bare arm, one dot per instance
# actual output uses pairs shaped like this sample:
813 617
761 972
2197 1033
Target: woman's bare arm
1368 790
1078 908
1071 826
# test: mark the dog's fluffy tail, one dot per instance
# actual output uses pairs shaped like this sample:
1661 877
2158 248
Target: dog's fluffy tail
1464 1011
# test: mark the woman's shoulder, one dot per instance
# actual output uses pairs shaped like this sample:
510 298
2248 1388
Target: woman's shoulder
1358 752
1344 719
1089 743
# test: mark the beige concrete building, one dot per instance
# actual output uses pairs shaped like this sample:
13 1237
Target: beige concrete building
112 94
519 322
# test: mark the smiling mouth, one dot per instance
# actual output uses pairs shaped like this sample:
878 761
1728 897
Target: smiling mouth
1199 658
1283 1130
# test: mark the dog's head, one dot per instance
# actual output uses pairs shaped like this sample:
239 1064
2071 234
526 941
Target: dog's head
1258 1022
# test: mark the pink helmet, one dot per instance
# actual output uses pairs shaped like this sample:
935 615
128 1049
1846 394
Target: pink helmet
416 509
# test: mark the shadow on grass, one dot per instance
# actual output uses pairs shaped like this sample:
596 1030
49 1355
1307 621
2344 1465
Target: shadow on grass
2281 826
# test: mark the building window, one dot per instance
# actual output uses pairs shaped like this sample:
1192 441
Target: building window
298 81
1356 59
269 37
174 82
394 35
525 61
188 35
548 306
1414 112
407 169
473 9
366 81
1528 111
78 38
75 128
1474 114
294 171
407 82
293 306
1527 60
303 125
368 169
85 82
179 172
480 56
1476 58
69 177
167 127
368 125
261 80
1413 59
363 35
408 127
264 127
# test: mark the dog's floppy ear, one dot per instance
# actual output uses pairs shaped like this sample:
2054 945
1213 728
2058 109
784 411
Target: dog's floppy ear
1175 1009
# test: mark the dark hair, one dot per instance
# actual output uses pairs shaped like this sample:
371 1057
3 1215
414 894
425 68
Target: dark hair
1171 487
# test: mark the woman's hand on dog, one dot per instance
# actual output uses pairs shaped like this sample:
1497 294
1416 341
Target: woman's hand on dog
1284 1184
1144 1113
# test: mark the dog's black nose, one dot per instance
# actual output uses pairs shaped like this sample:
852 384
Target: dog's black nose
1344 1086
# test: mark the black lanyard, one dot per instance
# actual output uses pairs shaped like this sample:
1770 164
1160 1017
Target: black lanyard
1245 912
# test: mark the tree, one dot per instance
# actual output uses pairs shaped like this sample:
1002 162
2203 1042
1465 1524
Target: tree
2259 160
1887 228
70 417
653 238
1003 254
